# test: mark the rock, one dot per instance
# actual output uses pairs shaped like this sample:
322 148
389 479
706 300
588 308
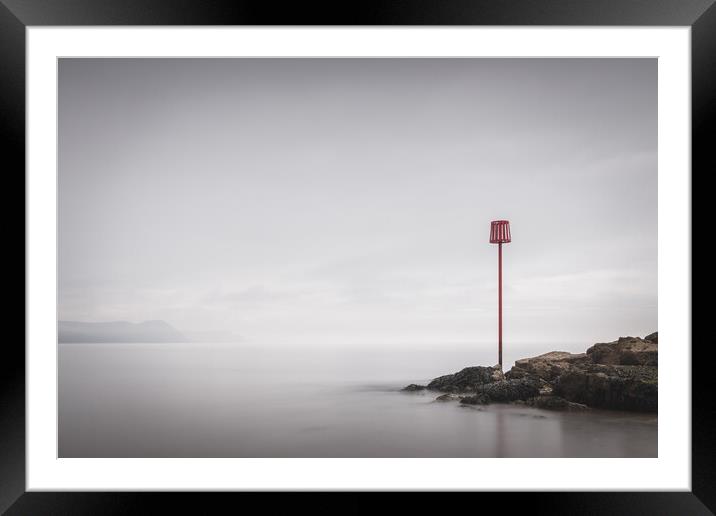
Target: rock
497 374
467 380
448 397
619 375
545 388
413 387
547 366
625 351
477 399
614 387
505 391
510 390
555 403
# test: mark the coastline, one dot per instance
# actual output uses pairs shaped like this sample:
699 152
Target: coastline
619 375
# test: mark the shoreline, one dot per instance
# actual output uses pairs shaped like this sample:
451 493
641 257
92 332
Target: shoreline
620 375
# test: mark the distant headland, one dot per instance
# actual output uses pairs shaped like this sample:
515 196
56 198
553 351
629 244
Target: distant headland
619 375
117 331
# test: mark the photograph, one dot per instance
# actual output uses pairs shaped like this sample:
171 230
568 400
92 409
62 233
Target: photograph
357 257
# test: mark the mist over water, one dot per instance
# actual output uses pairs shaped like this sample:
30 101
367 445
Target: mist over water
230 400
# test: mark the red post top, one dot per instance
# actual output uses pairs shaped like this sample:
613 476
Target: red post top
500 232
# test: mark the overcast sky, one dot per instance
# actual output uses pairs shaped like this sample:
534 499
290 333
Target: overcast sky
344 201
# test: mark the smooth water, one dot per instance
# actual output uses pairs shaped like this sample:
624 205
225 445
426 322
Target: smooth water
221 400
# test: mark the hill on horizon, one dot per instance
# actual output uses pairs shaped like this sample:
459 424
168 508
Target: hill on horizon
117 331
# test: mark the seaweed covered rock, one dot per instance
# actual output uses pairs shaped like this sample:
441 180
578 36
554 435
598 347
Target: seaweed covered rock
450 396
555 403
621 387
475 399
504 391
467 380
413 387
510 390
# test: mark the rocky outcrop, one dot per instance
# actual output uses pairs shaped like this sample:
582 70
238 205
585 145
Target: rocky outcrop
626 351
475 399
467 380
653 337
548 366
555 403
615 375
623 387
449 397
414 387
504 391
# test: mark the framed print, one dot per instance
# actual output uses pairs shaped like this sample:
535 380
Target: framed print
421 249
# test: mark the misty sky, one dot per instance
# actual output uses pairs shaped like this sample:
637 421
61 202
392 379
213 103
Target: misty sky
340 201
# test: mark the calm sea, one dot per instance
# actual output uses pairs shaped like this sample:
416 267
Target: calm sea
224 400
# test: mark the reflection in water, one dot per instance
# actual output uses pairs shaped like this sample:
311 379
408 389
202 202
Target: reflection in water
189 400
500 435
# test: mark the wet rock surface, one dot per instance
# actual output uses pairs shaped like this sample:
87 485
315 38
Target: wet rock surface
510 390
622 387
414 387
555 403
448 397
476 399
620 375
467 380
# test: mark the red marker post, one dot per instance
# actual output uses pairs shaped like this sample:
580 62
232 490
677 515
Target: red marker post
499 234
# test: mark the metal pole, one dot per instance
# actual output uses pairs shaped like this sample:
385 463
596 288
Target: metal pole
499 302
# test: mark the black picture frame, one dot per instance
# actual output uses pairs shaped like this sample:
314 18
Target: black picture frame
16 15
